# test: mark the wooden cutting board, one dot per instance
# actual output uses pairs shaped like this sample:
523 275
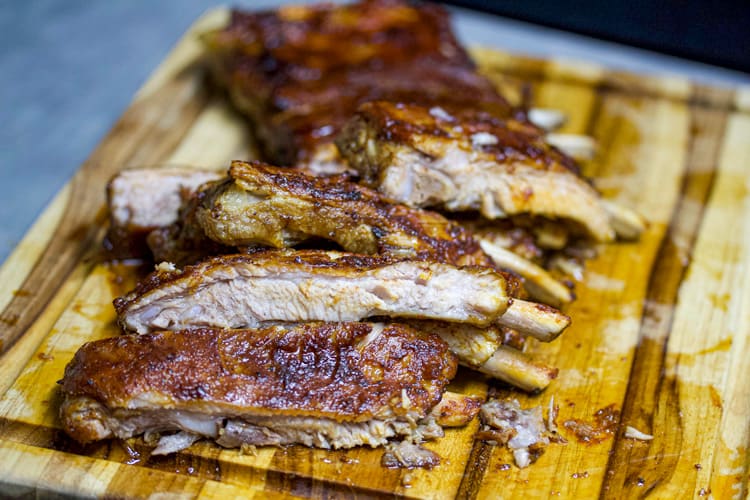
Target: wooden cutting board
660 329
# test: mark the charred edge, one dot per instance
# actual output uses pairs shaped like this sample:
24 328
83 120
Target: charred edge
650 353
81 230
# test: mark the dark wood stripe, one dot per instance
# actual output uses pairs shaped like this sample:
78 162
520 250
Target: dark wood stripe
291 472
289 483
476 468
140 136
651 400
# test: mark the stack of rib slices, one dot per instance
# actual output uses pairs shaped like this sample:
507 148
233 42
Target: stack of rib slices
417 221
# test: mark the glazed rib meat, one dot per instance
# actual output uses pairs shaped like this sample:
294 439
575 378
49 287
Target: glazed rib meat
248 291
470 160
263 205
300 72
141 200
319 384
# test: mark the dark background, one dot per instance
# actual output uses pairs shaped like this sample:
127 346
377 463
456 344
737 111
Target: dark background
715 32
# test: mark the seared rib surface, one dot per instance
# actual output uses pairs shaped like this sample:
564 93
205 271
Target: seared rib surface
469 160
347 383
263 205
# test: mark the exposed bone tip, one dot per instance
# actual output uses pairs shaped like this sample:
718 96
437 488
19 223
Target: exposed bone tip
627 223
580 147
547 119
539 283
545 323
514 367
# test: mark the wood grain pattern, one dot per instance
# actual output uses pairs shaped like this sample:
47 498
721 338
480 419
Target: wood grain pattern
660 333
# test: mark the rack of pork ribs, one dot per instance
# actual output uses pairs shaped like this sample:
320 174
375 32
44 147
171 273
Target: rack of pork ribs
419 221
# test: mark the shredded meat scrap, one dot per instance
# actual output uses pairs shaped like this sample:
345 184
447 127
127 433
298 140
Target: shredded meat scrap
523 431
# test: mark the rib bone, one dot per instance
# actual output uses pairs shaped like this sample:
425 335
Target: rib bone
514 367
539 283
627 223
547 119
482 349
541 322
580 147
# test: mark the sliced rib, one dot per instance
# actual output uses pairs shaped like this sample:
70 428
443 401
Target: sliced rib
278 207
469 160
325 385
247 291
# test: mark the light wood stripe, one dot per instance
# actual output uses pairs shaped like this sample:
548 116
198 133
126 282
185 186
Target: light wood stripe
651 401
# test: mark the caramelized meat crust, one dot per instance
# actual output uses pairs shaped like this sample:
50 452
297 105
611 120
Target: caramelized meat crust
261 204
183 241
347 372
321 369
300 72
506 140
247 291
470 160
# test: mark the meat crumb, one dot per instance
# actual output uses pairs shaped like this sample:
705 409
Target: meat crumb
522 431
603 427
407 455
633 433
483 139
166 267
